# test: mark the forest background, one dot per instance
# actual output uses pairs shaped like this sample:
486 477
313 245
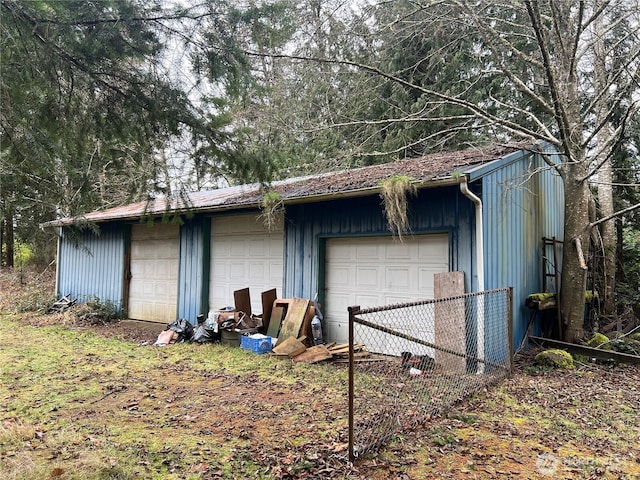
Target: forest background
110 102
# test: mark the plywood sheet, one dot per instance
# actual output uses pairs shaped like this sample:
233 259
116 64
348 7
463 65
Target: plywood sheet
275 319
314 355
297 309
242 301
450 322
268 298
290 346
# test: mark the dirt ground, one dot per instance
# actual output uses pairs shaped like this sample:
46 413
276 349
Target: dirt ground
535 424
205 424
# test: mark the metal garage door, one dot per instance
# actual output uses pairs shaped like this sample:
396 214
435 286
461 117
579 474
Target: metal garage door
153 290
377 271
244 254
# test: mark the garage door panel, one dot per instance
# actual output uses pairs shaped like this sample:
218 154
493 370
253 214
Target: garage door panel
367 252
364 300
378 271
400 252
433 250
238 248
340 252
275 273
396 277
236 271
153 290
244 254
393 299
276 248
367 277
339 276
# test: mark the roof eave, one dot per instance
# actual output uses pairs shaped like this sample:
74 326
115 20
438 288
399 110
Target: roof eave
360 192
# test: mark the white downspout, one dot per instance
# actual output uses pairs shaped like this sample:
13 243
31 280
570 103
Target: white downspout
464 188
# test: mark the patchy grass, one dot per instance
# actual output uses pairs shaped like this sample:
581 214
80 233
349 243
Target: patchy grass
99 402
79 403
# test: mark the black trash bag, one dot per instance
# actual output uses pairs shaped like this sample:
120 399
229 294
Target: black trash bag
183 328
202 334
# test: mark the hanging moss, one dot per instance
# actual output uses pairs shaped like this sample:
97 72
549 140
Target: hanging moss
272 210
395 191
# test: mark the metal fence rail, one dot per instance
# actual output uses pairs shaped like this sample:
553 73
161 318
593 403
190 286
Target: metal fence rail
422 358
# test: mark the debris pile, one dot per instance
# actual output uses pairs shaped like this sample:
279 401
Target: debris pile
61 305
287 328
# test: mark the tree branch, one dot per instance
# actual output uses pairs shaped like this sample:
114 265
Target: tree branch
559 112
512 127
619 213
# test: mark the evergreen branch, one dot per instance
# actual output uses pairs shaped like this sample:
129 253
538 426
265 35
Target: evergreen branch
472 107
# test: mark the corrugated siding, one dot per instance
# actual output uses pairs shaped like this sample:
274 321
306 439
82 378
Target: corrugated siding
519 209
308 225
91 264
193 276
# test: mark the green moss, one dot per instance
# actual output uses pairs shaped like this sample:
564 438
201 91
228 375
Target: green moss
555 358
590 296
597 340
581 358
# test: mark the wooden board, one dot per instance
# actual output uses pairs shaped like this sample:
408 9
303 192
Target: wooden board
242 301
314 355
297 309
275 319
290 346
586 350
268 297
450 321
306 324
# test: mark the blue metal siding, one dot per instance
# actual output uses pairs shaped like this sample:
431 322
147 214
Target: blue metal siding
193 276
520 207
307 225
91 264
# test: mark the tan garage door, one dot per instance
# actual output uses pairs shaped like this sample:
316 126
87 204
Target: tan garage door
377 271
244 254
153 290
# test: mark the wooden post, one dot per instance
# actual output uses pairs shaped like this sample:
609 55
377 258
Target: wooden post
450 321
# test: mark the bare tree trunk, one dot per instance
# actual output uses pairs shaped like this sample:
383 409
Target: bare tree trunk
574 269
608 235
1 242
605 175
8 226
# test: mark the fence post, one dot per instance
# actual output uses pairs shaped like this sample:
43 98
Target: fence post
510 326
353 311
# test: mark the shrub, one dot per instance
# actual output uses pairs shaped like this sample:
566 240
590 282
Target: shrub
24 290
93 312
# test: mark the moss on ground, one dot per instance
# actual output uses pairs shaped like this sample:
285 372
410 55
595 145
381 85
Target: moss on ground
555 358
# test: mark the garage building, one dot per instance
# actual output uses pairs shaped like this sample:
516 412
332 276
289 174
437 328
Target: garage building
482 211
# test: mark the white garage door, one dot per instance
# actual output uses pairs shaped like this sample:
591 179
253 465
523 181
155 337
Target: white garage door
244 254
378 271
153 290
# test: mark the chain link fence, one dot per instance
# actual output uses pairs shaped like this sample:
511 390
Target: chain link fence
420 358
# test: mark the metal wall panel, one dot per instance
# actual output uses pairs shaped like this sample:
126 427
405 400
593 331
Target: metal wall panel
442 210
91 264
522 203
193 276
